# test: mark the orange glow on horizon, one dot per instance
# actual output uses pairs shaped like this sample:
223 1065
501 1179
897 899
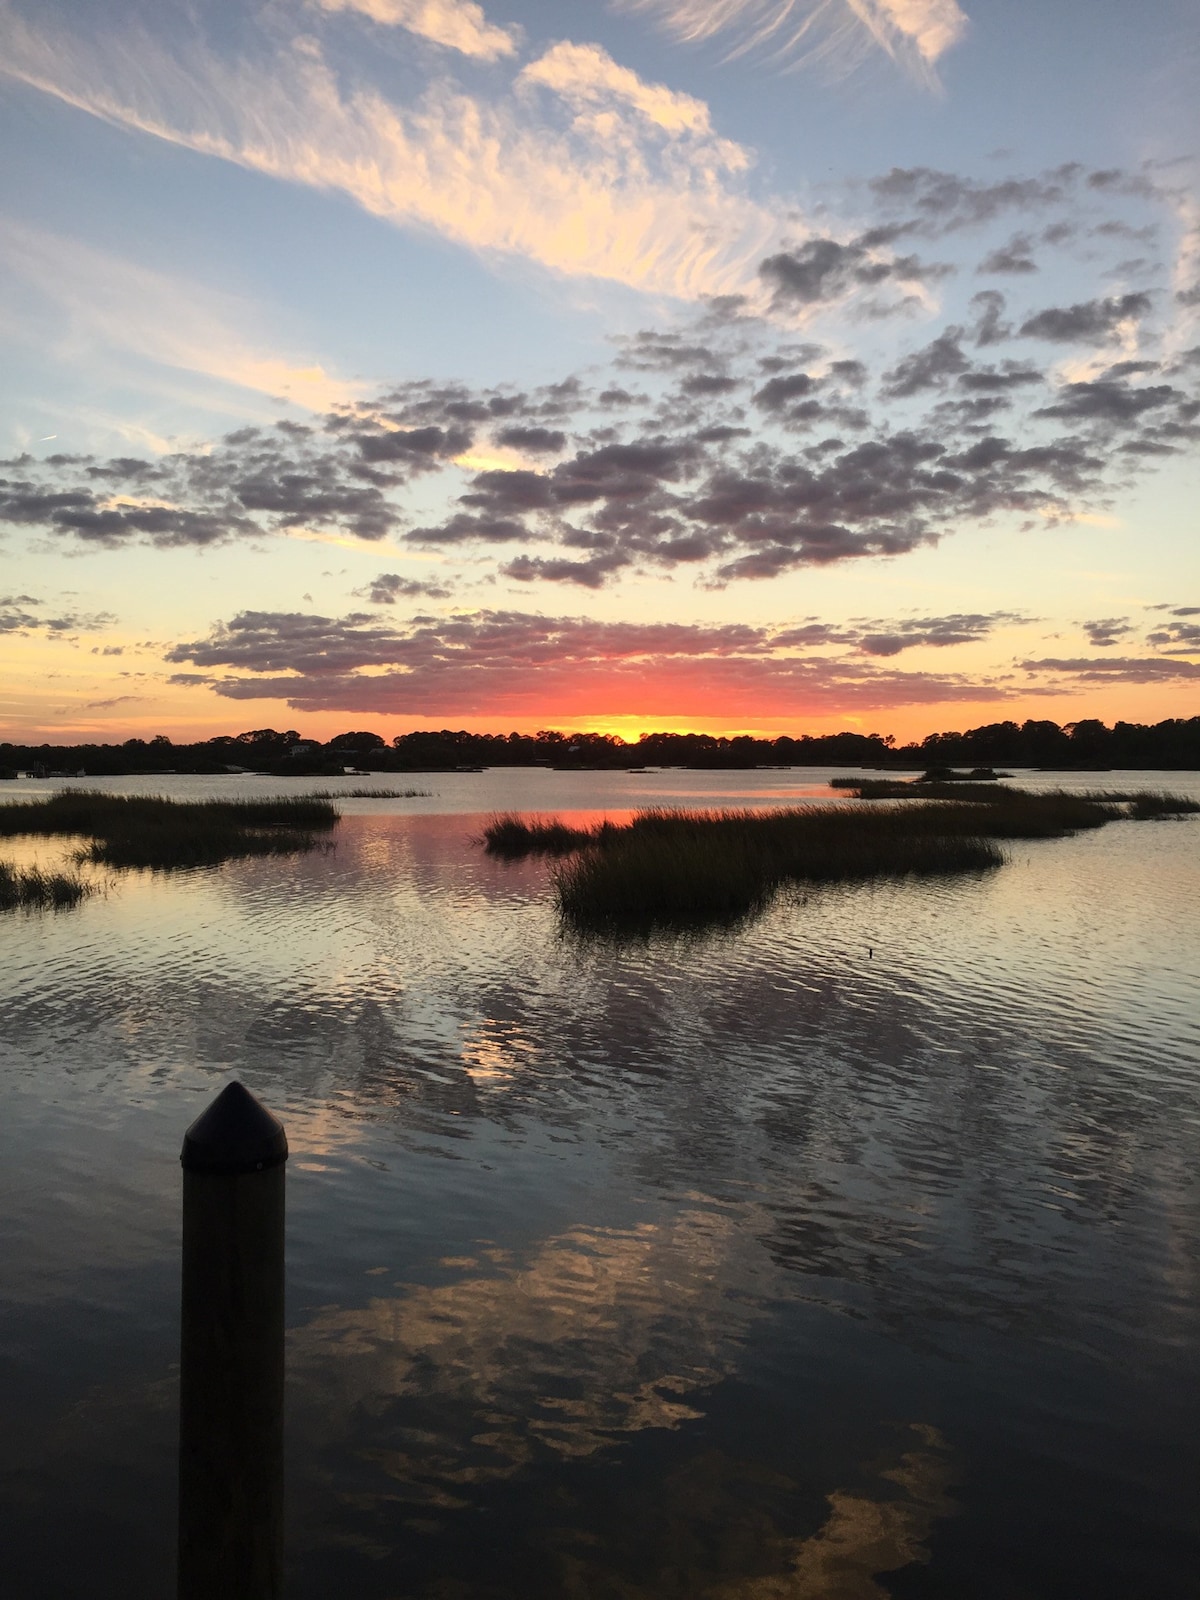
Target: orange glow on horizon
67 692
35 721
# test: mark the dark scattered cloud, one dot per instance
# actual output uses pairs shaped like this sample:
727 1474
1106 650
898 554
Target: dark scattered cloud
787 357
734 497
1118 669
507 660
743 450
463 528
113 700
532 439
989 328
1106 631
414 447
1178 638
959 628
1015 257
876 637
827 269
92 518
929 368
852 373
1115 180
722 433
1114 401
1088 322
992 379
1118 228
936 202
26 614
802 401
590 574
777 394
653 351
388 587
1148 449
709 383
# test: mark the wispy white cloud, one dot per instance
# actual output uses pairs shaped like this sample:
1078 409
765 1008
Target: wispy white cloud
587 77
455 24
576 165
105 301
840 33
932 25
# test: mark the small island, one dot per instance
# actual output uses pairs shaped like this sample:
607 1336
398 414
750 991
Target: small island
694 867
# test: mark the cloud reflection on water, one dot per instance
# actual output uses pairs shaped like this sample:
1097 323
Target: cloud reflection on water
559 1354
595 1333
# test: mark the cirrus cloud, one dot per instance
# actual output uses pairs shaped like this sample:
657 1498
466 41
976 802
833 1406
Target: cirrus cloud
639 190
455 24
841 33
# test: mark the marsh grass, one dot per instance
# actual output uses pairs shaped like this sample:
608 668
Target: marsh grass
150 831
1154 805
932 775
1037 809
41 891
684 867
923 789
369 794
687 868
512 838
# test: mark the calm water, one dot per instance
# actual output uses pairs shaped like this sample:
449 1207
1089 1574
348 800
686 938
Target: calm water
750 1265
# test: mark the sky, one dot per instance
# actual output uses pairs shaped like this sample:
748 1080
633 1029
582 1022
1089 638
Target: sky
768 366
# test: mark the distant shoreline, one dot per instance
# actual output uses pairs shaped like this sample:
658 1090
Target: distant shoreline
1088 746
75 774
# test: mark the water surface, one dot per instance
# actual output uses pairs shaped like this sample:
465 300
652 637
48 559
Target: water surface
853 1254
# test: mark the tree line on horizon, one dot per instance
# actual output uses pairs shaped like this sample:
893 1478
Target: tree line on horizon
1172 744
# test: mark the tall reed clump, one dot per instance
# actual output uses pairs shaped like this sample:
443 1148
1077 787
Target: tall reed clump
42 891
150 831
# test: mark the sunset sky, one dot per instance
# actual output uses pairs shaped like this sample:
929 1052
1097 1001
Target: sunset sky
742 365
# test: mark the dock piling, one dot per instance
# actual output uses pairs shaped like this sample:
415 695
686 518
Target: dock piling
231 1353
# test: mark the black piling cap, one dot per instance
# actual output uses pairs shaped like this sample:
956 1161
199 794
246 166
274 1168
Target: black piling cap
236 1134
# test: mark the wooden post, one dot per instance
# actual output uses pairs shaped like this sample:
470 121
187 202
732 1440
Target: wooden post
231 1353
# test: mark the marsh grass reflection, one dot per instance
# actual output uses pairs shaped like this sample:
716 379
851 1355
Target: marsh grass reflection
30 888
